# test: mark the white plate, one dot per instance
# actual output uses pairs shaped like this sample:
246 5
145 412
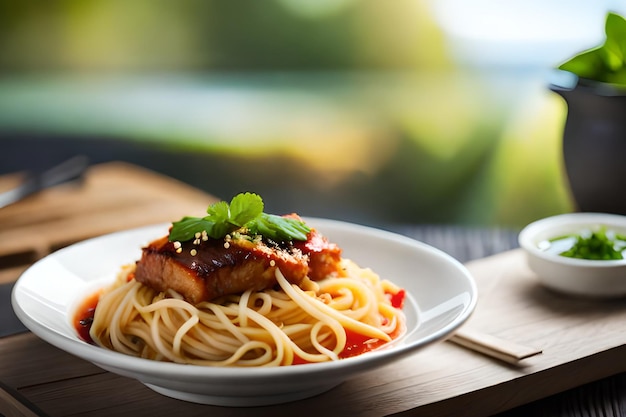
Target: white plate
441 296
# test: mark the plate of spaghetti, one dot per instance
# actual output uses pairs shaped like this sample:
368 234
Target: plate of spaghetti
244 308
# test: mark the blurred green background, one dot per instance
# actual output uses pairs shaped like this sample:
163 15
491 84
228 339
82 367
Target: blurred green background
377 112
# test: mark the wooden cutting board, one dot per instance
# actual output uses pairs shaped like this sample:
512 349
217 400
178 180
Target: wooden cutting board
111 197
582 340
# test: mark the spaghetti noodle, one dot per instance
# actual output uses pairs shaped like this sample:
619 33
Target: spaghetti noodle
315 321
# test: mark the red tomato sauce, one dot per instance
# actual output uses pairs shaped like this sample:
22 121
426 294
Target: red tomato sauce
397 300
357 344
84 317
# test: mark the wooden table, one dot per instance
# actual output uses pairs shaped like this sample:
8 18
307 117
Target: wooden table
582 340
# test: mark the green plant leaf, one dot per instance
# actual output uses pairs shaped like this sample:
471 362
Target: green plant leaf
218 212
606 62
589 64
279 228
614 51
244 211
244 208
186 228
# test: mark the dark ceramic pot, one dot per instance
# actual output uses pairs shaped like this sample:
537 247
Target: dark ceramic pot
594 145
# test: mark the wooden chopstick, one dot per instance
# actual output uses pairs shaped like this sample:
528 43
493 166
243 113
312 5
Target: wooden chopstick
504 350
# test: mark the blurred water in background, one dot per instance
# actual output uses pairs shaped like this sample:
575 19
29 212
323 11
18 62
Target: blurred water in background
374 112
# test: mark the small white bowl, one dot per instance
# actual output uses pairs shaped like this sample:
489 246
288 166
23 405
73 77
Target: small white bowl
583 277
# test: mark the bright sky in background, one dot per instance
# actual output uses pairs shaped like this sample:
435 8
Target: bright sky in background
539 33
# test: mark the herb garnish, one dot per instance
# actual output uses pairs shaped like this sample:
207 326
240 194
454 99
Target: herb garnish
596 246
245 212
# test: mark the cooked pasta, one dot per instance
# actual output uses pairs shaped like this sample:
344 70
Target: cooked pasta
315 321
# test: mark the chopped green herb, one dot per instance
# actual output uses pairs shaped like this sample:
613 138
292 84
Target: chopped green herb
596 245
245 211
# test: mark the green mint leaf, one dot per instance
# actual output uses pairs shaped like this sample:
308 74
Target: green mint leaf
244 211
279 228
186 228
244 208
218 212
220 229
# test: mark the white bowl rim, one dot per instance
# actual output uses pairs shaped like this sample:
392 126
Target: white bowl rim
526 237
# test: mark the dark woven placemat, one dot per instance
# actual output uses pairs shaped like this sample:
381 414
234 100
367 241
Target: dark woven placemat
464 243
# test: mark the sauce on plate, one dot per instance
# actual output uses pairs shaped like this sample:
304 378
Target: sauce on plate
84 317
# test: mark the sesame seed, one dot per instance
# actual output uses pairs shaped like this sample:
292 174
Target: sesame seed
272 263
179 250
177 244
196 241
193 252
226 245
197 235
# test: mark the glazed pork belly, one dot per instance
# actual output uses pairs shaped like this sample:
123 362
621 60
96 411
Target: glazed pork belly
204 269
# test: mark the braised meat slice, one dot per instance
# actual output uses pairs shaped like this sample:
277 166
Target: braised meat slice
324 256
202 271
